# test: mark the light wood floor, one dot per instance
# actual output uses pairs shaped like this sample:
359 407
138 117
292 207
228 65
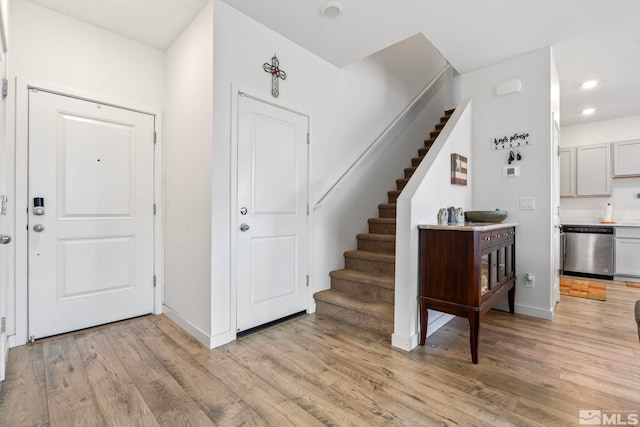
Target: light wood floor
314 371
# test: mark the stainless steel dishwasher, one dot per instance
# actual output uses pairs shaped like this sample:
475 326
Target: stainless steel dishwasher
588 251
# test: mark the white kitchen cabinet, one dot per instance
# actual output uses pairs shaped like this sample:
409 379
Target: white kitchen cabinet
593 166
626 158
567 165
627 251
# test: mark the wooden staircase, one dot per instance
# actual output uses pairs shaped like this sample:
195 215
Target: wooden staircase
362 294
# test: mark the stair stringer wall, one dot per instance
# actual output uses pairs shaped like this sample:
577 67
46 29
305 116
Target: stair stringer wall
428 190
345 212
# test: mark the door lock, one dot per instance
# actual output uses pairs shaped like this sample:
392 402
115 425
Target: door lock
38 206
5 239
244 227
38 228
243 211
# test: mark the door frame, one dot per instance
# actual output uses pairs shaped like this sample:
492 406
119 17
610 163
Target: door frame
237 93
21 203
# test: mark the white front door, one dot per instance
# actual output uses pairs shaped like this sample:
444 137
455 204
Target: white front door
272 213
91 250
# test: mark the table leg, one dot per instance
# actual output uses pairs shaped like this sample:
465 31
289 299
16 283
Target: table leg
424 316
511 295
474 329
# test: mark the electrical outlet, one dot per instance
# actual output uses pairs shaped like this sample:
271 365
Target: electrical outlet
529 280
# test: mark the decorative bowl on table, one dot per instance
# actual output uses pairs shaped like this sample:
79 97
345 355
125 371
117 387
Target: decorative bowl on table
485 216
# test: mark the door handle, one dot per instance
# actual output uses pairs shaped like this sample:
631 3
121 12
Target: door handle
244 227
38 228
4 239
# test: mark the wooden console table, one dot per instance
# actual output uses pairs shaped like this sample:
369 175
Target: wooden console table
464 270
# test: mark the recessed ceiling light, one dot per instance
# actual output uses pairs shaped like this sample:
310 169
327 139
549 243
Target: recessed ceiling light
331 9
588 111
589 84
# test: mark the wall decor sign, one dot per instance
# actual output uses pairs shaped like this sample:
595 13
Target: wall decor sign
276 74
517 139
458 169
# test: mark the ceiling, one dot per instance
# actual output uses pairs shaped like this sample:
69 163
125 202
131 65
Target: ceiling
591 39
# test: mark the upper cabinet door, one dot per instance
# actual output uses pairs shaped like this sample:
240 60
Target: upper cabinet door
567 172
626 158
594 170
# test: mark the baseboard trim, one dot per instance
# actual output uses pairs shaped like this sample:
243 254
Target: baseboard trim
191 329
408 343
438 322
534 312
403 342
3 371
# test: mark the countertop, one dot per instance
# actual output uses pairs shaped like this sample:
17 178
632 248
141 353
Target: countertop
468 226
617 224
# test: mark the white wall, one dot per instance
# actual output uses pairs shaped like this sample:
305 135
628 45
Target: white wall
58 52
53 49
188 176
428 190
529 110
626 205
348 108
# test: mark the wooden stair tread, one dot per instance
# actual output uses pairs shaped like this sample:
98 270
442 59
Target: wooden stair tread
382 220
376 236
370 256
387 282
387 205
380 310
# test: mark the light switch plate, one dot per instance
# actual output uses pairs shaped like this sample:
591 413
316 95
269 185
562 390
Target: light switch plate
527 203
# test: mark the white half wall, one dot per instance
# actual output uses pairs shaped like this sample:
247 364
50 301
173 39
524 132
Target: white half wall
626 206
529 110
188 177
428 190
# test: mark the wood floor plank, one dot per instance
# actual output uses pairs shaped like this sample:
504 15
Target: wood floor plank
188 414
322 403
316 371
23 399
213 398
139 362
117 397
263 398
435 398
70 398
401 400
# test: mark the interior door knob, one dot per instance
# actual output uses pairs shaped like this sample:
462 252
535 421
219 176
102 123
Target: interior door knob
244 227
4 239
38 228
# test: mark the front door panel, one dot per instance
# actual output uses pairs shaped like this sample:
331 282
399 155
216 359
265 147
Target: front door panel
91 251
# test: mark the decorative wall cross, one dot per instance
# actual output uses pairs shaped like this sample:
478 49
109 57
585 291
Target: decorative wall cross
276 73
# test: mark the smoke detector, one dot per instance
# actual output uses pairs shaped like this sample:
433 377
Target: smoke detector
331 9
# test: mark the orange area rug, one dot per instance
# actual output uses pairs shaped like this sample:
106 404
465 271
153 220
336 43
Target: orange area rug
583 288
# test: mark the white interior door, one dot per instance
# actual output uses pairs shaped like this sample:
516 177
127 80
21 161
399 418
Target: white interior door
91 251
6 246
555 234
272 213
